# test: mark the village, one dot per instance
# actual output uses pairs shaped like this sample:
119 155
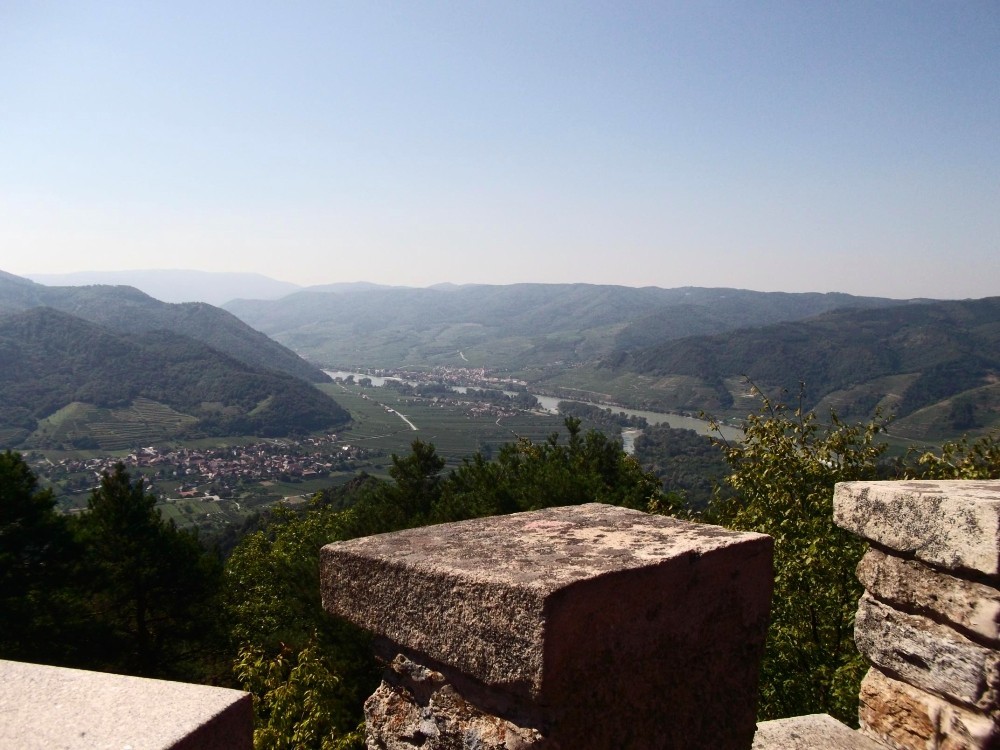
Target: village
181 472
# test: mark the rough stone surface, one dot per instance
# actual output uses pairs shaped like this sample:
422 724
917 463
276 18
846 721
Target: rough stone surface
416 707
906 718
654 625
814 732
42 708
973 608
951 524
928 655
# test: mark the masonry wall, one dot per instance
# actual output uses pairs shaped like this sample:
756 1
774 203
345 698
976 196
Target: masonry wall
929 620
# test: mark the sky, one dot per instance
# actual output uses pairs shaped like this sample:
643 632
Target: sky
776 146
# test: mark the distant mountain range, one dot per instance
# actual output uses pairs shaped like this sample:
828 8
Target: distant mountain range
213 287
517 326
127 310
76 359
935 365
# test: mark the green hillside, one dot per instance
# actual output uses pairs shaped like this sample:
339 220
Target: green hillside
934 365
68 380
519 326
129 311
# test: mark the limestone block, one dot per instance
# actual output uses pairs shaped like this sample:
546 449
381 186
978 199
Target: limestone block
45 707
906 718
813 732
974 608
416 707
950 524
928 655
623 629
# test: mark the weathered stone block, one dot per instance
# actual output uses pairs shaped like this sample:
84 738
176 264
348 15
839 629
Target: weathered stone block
45 707
928 655
951 524
616 628
813 732
906 718
972 607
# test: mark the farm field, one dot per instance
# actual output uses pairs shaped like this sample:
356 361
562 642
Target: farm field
455 430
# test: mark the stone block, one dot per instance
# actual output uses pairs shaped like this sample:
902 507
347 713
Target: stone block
903 717
50 707
613 628
928 655
813 732
971 607
949 524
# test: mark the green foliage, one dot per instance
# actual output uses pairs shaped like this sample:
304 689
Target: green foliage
151 591
37 555
287 644
687 463
298 700
959 459
528 476
782 477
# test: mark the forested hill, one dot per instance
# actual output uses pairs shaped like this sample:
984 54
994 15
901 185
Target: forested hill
62 376
931 362
518 325
127 310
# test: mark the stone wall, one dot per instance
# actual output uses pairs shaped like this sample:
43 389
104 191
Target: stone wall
588 627
929 620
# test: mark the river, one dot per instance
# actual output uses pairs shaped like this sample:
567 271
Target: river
550 404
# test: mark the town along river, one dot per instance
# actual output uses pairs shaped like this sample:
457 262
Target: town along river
551 403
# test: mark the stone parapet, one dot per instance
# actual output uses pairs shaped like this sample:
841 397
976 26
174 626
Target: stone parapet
45 707
929 621
813 732
580 627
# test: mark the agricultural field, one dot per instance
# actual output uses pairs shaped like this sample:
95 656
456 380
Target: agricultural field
456 430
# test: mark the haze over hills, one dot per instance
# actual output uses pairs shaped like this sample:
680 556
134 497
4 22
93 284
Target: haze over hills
178 285
516 326
128 310
214 287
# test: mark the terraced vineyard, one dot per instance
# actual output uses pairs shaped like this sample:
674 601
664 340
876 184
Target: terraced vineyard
83 425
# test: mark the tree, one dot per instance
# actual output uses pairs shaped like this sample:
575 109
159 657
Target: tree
782 476
36 558
152 586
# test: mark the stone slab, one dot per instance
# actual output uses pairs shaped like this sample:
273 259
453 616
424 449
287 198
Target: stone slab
928 655
813 732
903 717
589 611
49 708
952 524
971 607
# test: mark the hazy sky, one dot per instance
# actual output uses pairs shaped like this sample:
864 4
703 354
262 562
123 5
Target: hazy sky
796 146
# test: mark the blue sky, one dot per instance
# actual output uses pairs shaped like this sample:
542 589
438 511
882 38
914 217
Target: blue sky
808 146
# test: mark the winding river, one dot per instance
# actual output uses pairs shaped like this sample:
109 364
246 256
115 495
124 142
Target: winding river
550 404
